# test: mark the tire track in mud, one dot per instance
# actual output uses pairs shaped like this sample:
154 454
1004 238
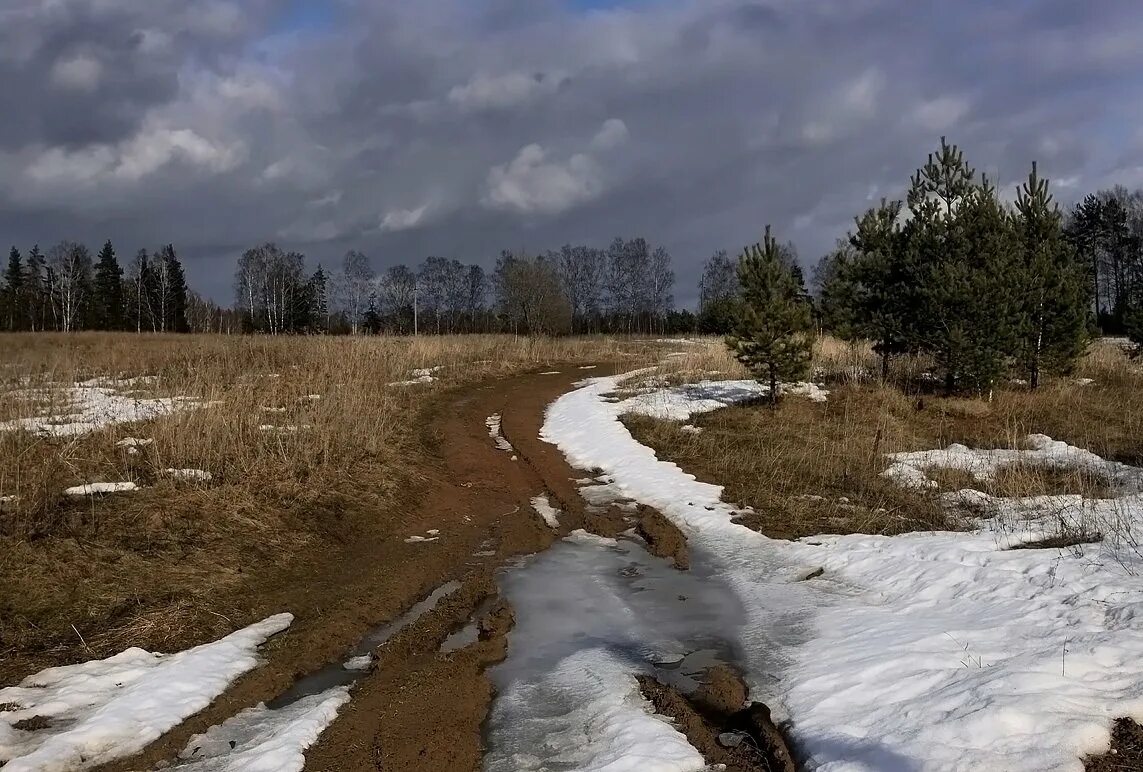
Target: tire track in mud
418 708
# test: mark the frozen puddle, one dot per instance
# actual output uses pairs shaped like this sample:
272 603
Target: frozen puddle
933 651
108 709
591 614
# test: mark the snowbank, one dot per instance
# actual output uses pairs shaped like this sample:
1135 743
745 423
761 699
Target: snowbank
935 651
108 709
494 431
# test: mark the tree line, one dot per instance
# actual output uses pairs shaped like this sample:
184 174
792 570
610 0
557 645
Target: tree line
66 290
626 288
984 289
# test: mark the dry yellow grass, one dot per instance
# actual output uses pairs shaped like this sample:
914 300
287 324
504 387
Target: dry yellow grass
140 568
808 468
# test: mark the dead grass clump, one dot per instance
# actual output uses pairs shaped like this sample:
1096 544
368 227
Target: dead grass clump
1024 480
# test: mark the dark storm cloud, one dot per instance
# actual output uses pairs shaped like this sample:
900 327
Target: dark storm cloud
459 128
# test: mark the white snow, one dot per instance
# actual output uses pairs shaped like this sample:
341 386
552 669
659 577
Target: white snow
90 406
690 429
198 475
494 431
551 372
546 511
107 709
273 409
909 468
682 402
588 367
284 429
363 662
263 740
100 488
934 651
419 539
9 499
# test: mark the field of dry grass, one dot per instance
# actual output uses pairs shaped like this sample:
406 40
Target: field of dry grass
810 468
302 439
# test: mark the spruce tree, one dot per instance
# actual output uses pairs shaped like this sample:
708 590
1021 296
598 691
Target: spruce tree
1053 316
175 290
773 334
35 290
371 321
109 309
15 310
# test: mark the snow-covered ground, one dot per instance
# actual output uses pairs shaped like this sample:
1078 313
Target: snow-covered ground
107 709
91 405
493 422
927 651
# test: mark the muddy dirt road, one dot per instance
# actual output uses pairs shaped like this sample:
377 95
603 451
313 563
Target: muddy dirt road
420 708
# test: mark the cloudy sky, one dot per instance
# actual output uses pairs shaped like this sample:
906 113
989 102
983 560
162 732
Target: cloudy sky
408 128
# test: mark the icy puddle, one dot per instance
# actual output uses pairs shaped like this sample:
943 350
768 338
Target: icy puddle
591 614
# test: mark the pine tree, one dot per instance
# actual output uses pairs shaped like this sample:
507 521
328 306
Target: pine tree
109 308
879 281
962 248
773 335
1053 318
15 309
175 291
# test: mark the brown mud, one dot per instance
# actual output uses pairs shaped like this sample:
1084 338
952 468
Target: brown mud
719 722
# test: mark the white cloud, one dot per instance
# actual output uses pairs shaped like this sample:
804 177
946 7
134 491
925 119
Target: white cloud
533 184
140 156
612 134
940 113
403 219
488 92
79 73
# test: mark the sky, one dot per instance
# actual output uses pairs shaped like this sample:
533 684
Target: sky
463 127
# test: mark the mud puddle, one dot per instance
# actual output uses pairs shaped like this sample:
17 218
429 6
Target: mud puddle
358 661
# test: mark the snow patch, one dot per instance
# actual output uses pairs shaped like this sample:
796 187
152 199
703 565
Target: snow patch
545 510
263 740
908 469
681 402
108 709
198 475
101 488
92 405
493 423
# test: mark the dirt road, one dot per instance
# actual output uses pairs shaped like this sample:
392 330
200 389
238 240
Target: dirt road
419 708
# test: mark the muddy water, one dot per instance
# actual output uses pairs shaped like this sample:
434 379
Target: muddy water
590 597
338 673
